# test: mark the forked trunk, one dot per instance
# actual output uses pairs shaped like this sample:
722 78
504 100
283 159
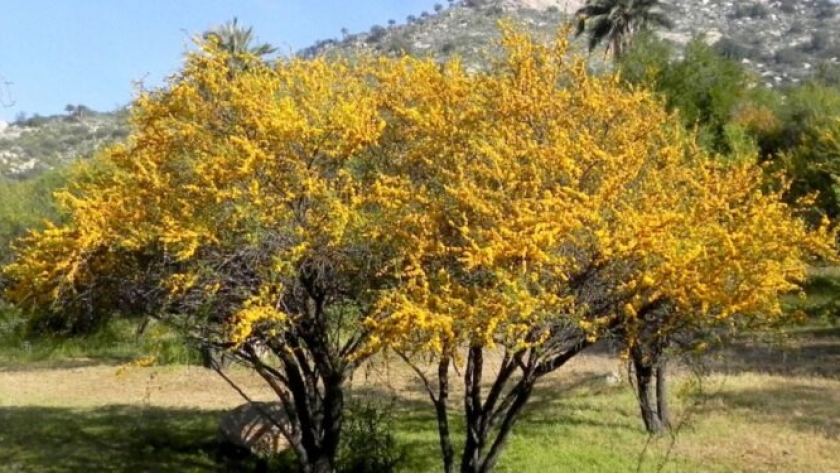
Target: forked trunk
322 444
489 418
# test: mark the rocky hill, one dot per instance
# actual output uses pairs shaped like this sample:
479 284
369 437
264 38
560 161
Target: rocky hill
782 41
30 146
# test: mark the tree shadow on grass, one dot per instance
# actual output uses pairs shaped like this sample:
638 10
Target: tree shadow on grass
411 401
808 353
805 407
579 401
114 439
583 399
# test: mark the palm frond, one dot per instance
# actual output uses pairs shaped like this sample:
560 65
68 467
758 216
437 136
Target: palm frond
614 21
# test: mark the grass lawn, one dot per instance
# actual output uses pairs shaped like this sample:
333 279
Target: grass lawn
762 409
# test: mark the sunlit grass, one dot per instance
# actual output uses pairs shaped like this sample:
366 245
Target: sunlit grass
740 423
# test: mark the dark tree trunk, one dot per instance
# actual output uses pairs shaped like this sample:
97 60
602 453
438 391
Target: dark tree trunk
323 464
662 393
647 403
443 417
320 425
471 460
322 428
333 417
315 384
439 396
523 393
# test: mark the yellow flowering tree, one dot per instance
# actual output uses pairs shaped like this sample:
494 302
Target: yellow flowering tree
549 209
328 210
239 210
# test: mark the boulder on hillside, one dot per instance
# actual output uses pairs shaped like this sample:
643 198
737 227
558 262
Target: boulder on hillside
250 427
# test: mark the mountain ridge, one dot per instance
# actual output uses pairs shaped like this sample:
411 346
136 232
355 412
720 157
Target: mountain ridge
781 41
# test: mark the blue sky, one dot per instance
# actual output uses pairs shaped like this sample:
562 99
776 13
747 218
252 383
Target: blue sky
90 52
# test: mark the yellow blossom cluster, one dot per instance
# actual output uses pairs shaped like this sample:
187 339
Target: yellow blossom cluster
460 206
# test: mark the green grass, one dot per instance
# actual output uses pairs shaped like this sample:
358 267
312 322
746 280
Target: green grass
584 429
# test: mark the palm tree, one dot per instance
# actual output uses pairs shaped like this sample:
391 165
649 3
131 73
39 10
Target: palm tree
617 21
236 39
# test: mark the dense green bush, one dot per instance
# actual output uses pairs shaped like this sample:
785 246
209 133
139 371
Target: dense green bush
704 86
795 130
646 60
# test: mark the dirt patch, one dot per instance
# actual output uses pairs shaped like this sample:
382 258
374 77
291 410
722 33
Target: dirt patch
82 384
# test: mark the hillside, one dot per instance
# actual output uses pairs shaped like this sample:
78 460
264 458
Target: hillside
31 146
782 41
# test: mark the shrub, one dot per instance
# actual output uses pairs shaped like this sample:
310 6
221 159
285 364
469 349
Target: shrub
790 56
788 6
368 444
825 10
731 49
377 32
819 41
35 121
495 10
828 74
797 27
705 88
645 60
399 45
751 10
